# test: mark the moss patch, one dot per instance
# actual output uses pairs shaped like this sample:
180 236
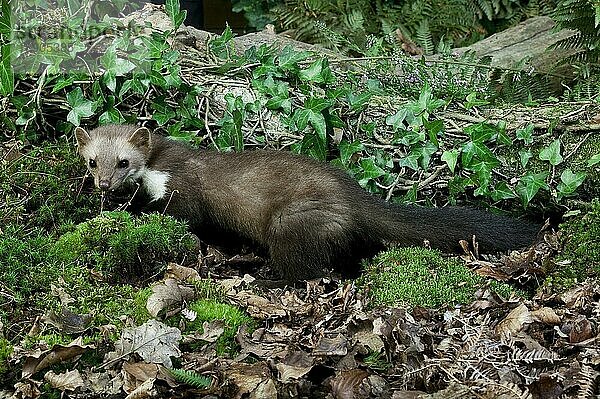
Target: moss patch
580 255
119 245
233 317
44 187
5 351
421 277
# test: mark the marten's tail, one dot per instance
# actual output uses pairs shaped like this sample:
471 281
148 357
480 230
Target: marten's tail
444 227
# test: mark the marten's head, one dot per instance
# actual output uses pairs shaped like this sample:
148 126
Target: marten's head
114 154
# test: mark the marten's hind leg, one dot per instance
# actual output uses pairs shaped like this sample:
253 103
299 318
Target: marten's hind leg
304 243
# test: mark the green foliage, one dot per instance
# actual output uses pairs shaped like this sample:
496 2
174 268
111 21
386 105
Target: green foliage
43 187
580 239
421 277
191 378
118 244
23 254
233 318
582 16
356 25
6 350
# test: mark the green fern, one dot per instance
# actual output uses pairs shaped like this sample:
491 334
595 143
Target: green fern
191 378
583 16
424 37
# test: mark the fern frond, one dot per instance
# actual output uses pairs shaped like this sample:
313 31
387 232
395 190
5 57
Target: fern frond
191 378
424 37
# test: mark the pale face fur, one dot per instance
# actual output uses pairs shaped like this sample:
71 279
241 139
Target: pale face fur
116 155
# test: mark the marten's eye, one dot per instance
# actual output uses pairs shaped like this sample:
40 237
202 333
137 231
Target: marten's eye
123 163
92 163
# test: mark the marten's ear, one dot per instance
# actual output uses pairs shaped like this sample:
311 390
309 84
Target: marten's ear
83 138
141 138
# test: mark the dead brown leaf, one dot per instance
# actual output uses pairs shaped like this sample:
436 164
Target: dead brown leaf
545 315
69 322
135 374
181 273
247 378
168 294
144 391
154 341
334 346
67 381
581 330
27 389
294 365
358 384
37 360
514 321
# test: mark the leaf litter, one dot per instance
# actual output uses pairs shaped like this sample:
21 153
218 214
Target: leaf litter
324 340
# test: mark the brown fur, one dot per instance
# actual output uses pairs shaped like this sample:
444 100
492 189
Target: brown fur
308 215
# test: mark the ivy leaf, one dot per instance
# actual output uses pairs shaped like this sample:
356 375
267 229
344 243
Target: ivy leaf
347 149
569 182
7 77
5 18
529 185
434 129
370 171
62 83
318 72
397 120
425 151
410 161
114 64
451 158
502 191
524 156
111 115
476 151
473 101
173 11
81 107
552 153
526 134
593 160
481 132
357 102
503 138
289 58
277 93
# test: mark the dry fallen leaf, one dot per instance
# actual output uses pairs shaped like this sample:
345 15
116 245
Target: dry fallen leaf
514 321
154 341
295 365
37 360
181 273
144 391
135 374
67 381
351 384
69 322
168 294
248 378
545 315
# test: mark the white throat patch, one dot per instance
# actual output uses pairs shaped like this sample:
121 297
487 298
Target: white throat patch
155 183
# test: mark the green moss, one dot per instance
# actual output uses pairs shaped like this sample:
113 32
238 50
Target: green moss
580 255
5 351
120 245
421 277
23 256
233 317
44 188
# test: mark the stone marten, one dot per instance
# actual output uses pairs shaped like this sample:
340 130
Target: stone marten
307 215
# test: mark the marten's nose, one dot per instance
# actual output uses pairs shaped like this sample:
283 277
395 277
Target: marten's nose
104 185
